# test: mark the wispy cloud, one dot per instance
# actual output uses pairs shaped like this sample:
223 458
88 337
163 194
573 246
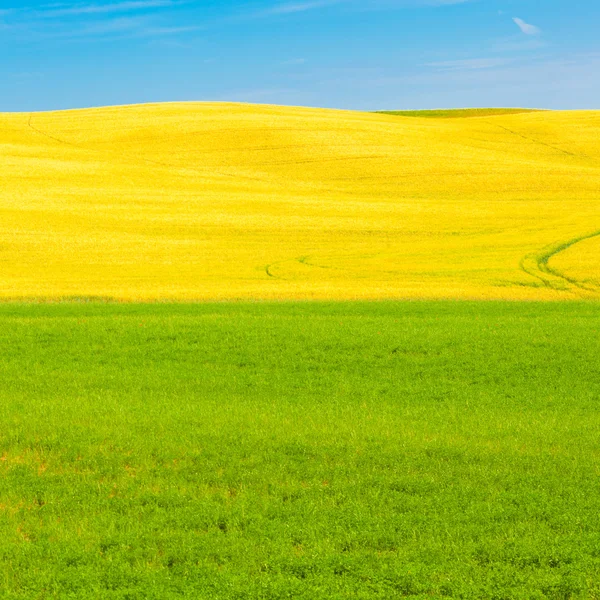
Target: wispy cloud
25 75
298 7
526 28
468 64
26 14
134 26
444 2
102 9
119 25
288 8
517 44
377 5
126 18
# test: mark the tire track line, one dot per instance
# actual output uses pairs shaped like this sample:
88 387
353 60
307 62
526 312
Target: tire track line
540 143
206 171
537 265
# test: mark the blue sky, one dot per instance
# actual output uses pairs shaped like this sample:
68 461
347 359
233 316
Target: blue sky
355 54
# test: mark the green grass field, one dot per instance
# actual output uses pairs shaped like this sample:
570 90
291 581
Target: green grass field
349 450
457 113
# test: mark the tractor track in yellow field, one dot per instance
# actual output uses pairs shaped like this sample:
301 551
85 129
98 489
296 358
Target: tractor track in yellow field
537 265
539 142
136 159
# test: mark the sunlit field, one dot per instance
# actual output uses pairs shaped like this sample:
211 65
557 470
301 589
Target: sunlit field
316 451
224 201
384 440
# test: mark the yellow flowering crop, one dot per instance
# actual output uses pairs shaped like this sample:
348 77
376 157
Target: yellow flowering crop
199 201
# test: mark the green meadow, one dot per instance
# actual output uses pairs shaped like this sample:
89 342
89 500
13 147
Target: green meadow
300 450
457 113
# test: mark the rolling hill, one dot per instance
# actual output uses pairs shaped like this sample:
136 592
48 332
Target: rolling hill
201 201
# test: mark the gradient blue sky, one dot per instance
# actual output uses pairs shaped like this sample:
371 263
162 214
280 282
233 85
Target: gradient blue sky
358 54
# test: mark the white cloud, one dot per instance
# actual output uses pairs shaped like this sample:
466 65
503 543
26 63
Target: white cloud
363 5
517 43
118 25
83 9
158 31
125 18
526 28
468 64
445 2
25 75
297 7
123 26
99 9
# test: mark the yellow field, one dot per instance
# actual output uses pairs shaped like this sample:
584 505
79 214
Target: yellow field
223 201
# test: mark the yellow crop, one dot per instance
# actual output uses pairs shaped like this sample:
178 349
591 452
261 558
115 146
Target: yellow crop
222 201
